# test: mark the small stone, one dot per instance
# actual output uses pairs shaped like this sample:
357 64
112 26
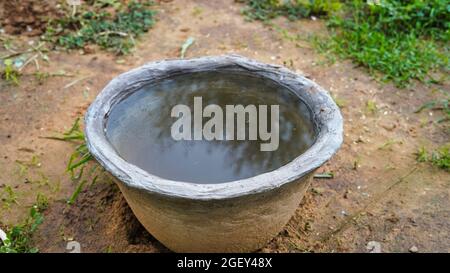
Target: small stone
414 249
374 247
346 194
3 236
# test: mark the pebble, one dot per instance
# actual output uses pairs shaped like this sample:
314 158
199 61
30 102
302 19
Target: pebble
414 249
3 236
374 247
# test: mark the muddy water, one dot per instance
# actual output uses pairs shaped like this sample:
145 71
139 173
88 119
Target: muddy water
139 128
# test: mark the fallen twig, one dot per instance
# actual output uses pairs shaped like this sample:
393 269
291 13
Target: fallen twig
27 62
75 82
186 45
32 49
123 34
327 175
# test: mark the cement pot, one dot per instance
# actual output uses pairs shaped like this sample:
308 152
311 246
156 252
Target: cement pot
236 216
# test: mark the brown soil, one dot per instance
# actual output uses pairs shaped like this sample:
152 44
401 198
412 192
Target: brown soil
379 192
26 16
100 220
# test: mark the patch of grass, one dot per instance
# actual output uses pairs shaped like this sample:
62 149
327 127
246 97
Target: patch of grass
439 158
22 169
422 155
24 166
81 156
8 197
108 3
19 237
42 76
265 10
397 40
34 162
197 11
371 107
424 18
109 249
356 163
78 160
9 73
339 102
112 31
41 202
294 38
442 105
77 191
388 144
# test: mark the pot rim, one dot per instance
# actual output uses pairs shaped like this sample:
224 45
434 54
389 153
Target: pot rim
325 113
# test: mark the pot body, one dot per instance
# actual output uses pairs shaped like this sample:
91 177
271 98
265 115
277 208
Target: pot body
238 216
240 224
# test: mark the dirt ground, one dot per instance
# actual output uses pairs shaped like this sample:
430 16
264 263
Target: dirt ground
26 16
379 192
